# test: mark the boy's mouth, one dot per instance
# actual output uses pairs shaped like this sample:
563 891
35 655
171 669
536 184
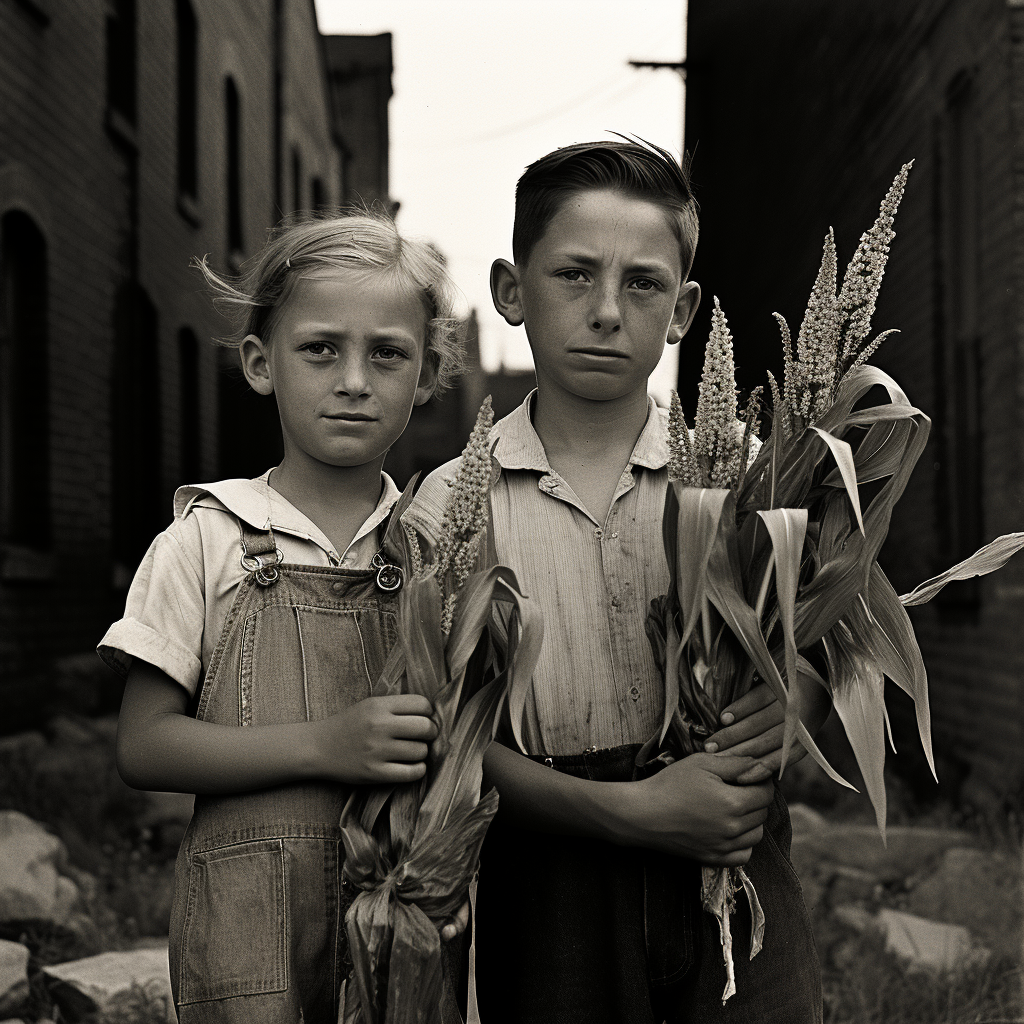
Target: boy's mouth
602 353
357 417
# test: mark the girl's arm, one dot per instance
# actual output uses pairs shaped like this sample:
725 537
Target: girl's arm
693 808
161 747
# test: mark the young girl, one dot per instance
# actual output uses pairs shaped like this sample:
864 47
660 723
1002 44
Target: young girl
260 618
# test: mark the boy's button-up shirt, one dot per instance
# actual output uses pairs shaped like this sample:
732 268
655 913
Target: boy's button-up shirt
188 579
596 683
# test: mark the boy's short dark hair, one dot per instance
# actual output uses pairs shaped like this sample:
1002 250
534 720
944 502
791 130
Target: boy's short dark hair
644 171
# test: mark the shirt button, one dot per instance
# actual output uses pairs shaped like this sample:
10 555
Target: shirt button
634 692
615 536
598 532
337 587
615 602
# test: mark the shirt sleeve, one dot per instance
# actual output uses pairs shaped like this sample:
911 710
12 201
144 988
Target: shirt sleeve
165 613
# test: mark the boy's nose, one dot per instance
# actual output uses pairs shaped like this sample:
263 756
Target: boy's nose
606 315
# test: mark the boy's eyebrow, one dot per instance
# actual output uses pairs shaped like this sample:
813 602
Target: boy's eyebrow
639 267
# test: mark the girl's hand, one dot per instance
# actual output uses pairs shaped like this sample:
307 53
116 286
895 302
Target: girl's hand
380 739
697 808
753 726
457 923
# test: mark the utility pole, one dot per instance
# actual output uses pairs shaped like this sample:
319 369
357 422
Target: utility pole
679 67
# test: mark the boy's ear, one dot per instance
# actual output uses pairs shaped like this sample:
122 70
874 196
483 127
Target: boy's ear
505 291
686 306
428 379
255 365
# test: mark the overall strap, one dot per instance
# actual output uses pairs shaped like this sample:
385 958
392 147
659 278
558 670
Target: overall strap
260 554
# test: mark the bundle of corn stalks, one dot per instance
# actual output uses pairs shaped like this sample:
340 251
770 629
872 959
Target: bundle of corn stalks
468 641
774 564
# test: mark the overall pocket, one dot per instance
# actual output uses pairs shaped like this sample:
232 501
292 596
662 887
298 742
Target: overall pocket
236 929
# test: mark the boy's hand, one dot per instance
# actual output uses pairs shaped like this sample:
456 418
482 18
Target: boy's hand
754 726
457 923
696 808
380 739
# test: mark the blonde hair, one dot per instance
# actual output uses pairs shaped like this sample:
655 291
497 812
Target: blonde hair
364 240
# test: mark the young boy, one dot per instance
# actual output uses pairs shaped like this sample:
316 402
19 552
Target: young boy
589 890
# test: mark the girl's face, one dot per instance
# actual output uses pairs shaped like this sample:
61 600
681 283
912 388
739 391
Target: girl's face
346 365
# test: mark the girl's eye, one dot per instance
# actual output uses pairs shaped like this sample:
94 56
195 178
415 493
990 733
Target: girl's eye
389 354
318 348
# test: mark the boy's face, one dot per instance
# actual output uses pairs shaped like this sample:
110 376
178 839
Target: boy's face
600 294
346 366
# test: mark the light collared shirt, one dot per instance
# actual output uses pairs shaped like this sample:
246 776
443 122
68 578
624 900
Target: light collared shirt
596 683
187 581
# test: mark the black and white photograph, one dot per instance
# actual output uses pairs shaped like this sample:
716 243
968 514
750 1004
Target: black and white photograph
511 513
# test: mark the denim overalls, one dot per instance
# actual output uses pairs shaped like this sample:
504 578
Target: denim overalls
257 923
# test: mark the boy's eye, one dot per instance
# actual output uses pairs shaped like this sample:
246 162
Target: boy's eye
645 284
571 275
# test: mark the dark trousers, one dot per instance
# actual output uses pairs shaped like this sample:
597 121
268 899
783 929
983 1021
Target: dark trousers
573 931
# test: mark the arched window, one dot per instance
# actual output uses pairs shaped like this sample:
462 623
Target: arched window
188 150
121 58
233 131
24 384
188 406
296 180
139 505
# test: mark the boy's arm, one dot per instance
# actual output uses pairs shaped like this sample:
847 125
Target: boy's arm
754 725
693 808
161 747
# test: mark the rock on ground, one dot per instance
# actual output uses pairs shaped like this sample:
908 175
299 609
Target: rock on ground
978 889
85 986
31 882
13 977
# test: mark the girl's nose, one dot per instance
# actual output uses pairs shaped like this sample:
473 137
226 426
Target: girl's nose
352 378
606 315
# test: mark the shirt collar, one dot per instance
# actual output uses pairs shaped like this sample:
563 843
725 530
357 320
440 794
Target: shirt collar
520 447
257 503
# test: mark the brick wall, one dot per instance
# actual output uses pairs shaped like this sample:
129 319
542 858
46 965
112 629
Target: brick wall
104 193
800 117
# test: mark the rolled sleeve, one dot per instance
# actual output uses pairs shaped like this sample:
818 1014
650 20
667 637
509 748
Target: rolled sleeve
165 614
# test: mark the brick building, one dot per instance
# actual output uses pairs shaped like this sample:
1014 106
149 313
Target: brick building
800 116
134 136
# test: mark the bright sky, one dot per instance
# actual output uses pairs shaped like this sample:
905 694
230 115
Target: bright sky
483 89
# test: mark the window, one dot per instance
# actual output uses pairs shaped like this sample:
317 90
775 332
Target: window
296 181
24 384
233 131
959 368
139 509
121 58
316 187
188 406
187 98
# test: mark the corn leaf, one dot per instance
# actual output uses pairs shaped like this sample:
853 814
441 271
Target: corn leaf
992 556
843 454
421 636
858 697
461 773
879 453
395 542
527 654
700 510
725 591
787 528
899 654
